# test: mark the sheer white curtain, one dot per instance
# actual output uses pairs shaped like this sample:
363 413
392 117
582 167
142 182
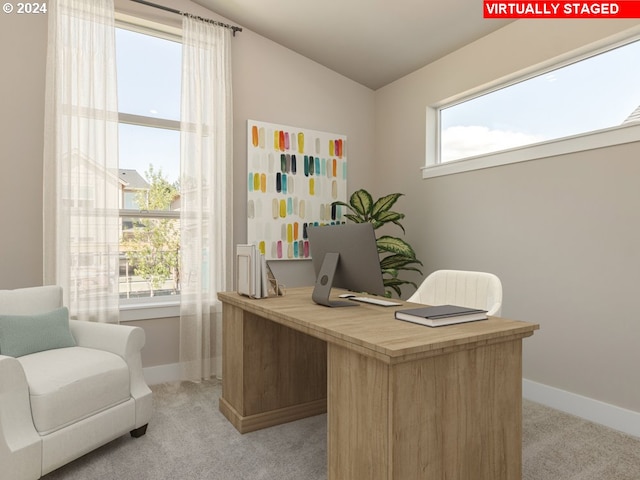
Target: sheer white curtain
206 206
81 158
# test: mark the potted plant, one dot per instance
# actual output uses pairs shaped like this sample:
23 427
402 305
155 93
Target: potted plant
396 254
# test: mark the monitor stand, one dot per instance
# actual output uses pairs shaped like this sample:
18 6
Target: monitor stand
324 281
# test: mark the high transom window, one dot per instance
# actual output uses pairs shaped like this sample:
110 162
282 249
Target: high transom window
595 94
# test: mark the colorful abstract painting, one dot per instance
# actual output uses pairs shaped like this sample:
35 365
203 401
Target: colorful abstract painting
293 176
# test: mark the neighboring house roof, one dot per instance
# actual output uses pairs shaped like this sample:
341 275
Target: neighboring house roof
133 180
634 117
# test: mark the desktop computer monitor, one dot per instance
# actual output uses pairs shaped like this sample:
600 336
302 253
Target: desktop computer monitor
344 256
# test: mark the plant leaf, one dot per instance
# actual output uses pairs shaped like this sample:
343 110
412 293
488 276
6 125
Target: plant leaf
393 272
412 269
339 207
390 216
387 243
397 261
384 203
400 225
355 218
388 282
361 202
338 202
397 290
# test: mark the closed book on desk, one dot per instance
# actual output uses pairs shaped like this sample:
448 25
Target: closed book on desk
441 315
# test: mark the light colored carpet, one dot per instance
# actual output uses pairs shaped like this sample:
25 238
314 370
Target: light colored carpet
189 439
557 446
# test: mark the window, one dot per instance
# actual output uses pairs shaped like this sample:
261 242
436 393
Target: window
598 94
149 71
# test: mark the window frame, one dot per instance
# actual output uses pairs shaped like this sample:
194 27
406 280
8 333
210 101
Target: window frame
616 135
144 308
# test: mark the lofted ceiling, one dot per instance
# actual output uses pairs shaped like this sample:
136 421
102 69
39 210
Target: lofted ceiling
372 42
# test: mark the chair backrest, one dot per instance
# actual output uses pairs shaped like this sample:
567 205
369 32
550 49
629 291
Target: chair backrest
462 288
30 301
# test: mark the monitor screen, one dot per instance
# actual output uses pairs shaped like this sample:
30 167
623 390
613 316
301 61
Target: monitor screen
345 256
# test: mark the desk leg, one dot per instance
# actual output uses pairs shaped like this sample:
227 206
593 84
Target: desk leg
457 416
271 374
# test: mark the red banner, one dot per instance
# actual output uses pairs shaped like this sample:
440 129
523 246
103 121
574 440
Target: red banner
511 9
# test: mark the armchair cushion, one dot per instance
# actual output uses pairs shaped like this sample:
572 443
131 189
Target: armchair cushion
69 384
25 334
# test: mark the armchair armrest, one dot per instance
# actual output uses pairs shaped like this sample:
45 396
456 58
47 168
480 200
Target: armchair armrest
20 444
119 339
126 342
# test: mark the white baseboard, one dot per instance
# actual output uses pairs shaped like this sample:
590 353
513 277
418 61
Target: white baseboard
621 419
170 373
162 373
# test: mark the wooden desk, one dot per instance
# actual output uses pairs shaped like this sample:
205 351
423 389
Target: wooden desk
404 401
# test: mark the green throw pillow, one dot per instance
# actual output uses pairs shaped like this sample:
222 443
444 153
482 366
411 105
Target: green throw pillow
24 334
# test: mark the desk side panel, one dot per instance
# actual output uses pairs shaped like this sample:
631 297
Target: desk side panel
459 415
271 373
282 367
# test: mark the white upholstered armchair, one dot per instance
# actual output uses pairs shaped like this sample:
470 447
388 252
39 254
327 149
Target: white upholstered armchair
66 386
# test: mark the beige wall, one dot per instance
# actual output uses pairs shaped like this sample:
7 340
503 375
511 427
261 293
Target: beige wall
562 233
23 45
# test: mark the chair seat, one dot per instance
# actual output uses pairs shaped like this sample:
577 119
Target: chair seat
69 384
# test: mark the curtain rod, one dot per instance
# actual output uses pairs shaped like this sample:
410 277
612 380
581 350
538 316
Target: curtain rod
233 28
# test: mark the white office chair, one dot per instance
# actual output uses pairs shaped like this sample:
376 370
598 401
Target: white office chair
465 289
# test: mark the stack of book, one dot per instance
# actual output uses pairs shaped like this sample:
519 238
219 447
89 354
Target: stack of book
251 271
440 315
254 277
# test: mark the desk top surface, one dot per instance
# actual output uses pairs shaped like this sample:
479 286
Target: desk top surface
373 330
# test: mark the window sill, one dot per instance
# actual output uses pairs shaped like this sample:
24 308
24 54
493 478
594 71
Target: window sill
146 311
577 143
